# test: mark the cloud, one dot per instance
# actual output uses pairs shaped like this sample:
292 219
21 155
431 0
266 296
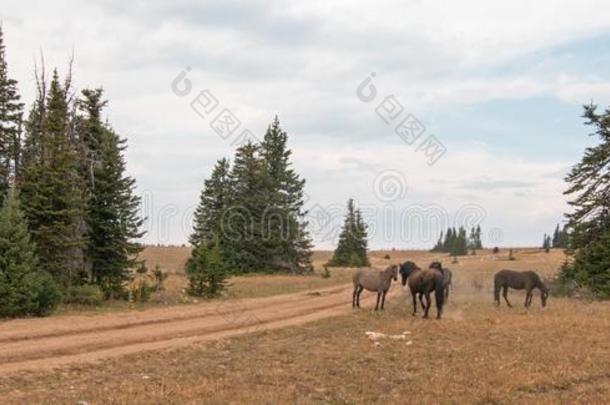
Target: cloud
487 184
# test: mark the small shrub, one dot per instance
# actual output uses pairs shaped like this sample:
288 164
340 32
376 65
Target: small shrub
140 291
206 272
496 250
387 257
142 269
160 277
325 273
510 255
87 294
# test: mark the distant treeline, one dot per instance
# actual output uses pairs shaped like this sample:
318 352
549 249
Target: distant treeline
457 242
559 240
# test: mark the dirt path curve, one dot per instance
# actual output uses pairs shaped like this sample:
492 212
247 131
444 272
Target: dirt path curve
35 344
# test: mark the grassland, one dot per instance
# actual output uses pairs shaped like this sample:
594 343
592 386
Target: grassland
477 353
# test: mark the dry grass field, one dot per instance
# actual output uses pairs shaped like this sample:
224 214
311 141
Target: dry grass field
311 347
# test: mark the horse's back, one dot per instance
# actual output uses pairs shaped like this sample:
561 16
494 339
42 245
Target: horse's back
515 279
423 281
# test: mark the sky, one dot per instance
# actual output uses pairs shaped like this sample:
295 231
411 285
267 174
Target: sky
428 116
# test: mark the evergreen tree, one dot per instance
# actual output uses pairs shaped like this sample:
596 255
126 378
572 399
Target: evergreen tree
351 249
285 227
25 289
591 266
589 223
213 202
555 242
206 271
472 239
112 216
460 243
242 221
479 241
590 184
546 243
449 239
564 239
11 112
52 188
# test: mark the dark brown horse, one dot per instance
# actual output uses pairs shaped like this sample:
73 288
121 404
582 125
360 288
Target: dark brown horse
423 282
447 277
376 281
519 280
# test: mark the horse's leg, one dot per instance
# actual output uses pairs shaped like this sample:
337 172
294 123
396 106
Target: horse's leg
378 298
354 296
427 304
360 289
528 298
414 303
383 299
421 300
447 293
505 295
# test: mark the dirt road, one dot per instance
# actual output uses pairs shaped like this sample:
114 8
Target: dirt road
56 341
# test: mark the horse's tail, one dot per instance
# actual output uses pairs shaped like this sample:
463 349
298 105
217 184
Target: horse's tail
439 291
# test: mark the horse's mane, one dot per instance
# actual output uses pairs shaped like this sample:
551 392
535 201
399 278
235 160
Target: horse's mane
436 265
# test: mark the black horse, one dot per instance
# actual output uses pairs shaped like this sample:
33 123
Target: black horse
519 280
447 277
423 282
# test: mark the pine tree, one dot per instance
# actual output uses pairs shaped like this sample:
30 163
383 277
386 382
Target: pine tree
242 221
449 240
351 249
479 241
213 202
591 266
556 236
25 289
589 223
460 242
590 184
206 271
472 239
285 228
546 243
52 188
112 216
11 113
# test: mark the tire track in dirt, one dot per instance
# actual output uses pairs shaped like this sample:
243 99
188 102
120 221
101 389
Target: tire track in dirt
52 342
19 330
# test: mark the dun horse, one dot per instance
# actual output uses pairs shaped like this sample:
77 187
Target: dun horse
376 281
519 280
423 282
447 277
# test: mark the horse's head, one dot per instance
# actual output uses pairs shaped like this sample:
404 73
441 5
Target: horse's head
436 265
406 269
394 272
